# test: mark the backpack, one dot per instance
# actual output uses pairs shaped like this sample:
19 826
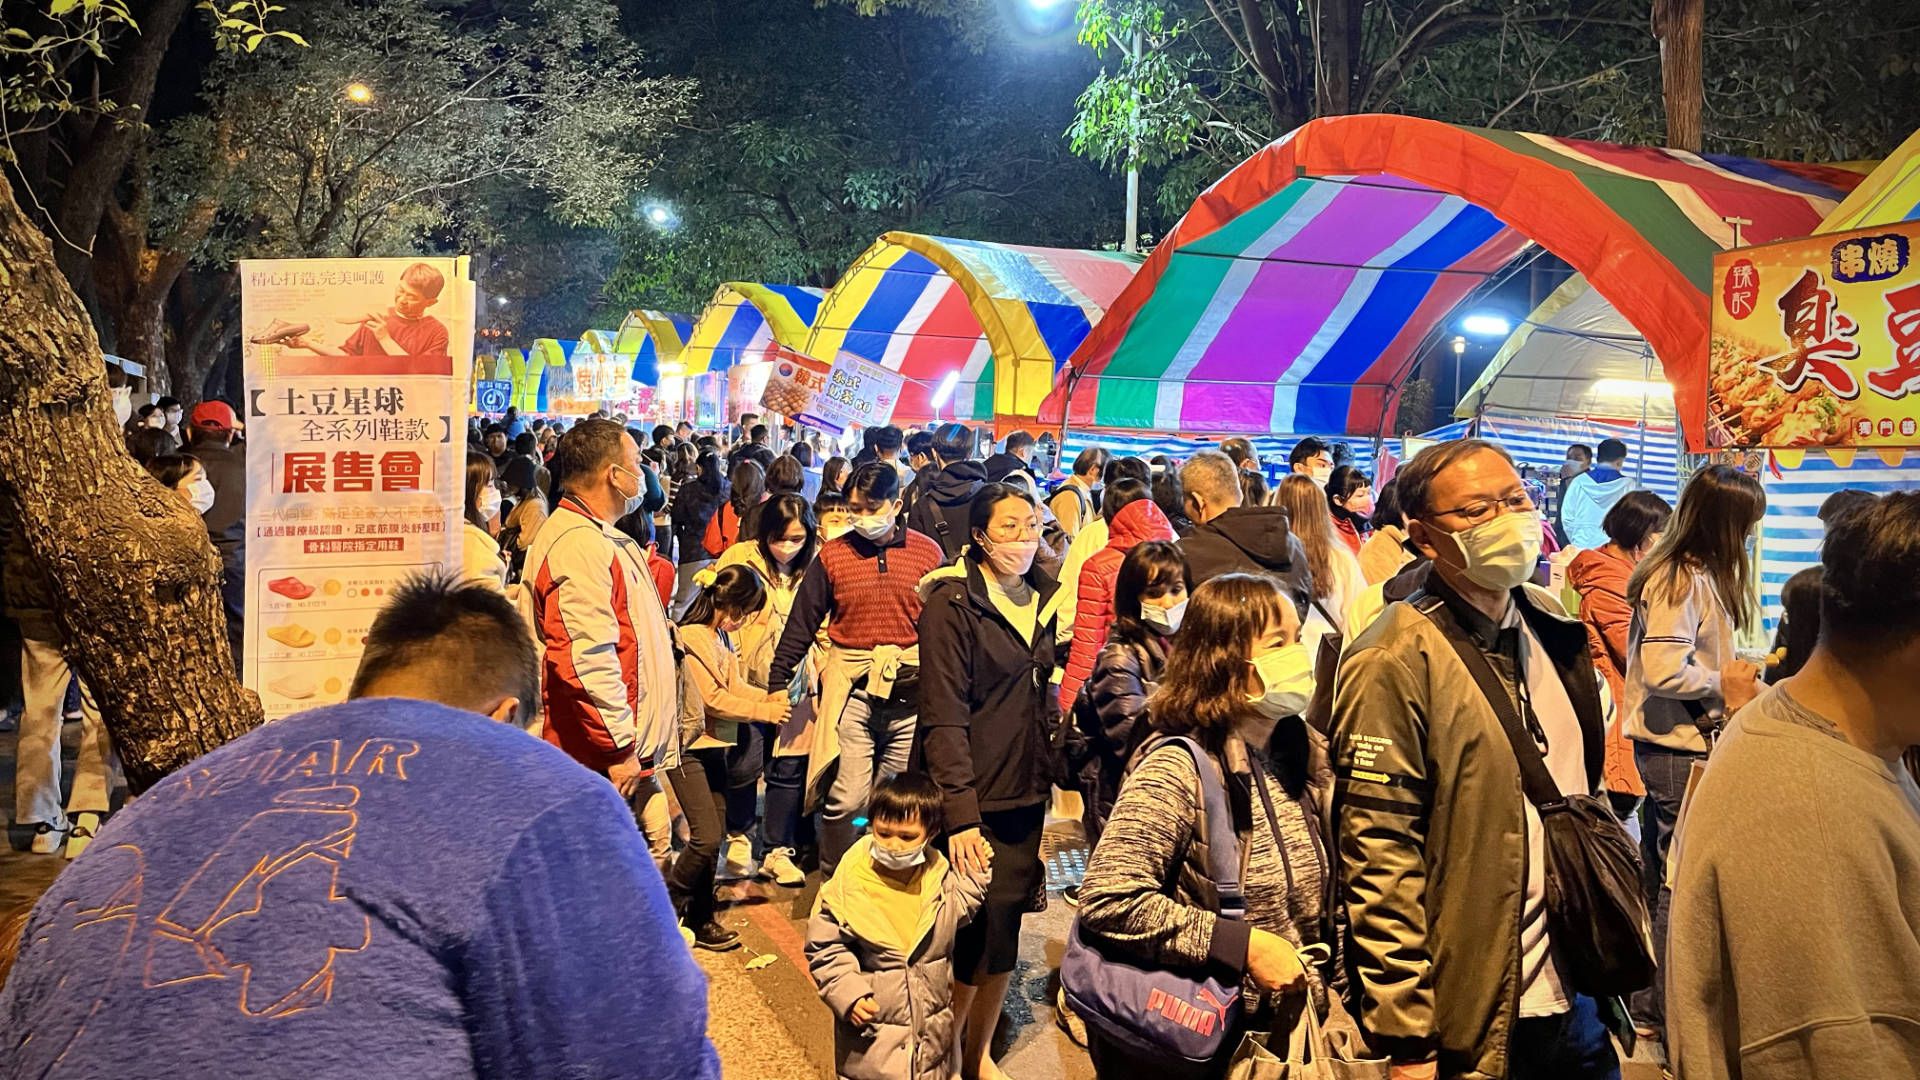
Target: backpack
718 537
1166 1016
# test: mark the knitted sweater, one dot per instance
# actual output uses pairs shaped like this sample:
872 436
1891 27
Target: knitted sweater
870 590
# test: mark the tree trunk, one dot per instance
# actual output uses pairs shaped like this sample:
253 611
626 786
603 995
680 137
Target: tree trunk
1681 25
1339 52
141 331
135 581
1266 60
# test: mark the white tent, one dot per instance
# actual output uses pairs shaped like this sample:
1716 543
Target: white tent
1574 356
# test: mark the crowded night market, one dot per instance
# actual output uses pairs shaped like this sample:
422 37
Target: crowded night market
960 539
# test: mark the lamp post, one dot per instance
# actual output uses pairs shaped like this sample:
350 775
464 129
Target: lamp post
1459 359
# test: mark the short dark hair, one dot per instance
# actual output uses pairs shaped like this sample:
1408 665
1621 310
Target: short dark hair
1638 515
1120 468
785 475
148 443
168 402
1121 494
1019 440
1091 460
802 453
829 502
878 481
1239 449
586 448
1870 596
1149 564
953 442
661 433
1580 452
1416 476
909 797
1386 505
1843 502
526 443
886 437
1306 448
464 637
920 444
759 432
980 511
1613 450
735 590
170 469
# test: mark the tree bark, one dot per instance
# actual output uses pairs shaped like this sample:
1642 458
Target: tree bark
135 581
1681 26
1266 62
1339 53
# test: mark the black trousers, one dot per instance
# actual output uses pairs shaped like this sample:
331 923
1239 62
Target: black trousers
700 783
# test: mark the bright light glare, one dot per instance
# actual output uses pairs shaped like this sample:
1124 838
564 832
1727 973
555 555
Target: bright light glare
1633 388
1486 324
500 301
1459 345
945 389
659 215
359 93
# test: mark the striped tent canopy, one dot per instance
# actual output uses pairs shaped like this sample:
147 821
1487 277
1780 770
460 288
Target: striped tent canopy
512 364
1790 533
1890 193
1297 292
1001 317
654 339
744 320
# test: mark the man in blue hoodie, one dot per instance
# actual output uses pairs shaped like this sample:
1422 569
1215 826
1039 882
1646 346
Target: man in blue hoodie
1590 495
400 885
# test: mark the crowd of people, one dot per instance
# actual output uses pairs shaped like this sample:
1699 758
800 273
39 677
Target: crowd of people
1349 758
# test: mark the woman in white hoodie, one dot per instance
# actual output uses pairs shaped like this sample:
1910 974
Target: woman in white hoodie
1690 595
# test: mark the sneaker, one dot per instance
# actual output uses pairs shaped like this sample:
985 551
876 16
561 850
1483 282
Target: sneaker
48 836
736 859
1037 900
85 825
1071 894
715 938
779 866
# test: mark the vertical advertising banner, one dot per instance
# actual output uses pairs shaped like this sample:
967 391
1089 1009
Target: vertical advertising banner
357 389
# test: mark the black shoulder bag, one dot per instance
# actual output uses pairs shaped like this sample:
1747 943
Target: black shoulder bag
1596 909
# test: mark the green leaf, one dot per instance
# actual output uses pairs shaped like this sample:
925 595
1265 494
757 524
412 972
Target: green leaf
61 7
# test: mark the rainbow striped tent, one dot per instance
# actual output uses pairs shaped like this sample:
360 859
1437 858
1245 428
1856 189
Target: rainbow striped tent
1001 317
1298 291
1890 193
744 320
653 339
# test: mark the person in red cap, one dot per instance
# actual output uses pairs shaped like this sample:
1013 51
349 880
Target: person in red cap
215 443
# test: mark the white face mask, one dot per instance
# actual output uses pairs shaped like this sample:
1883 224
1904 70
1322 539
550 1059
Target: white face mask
1164 619
785 551
1286 674
1013 558
639 490
835 532
1500 554
874 528
892 859
200 493
122 404
1321 474
489 503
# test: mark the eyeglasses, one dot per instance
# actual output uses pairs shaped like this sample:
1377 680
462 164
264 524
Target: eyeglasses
1483 510
1010 534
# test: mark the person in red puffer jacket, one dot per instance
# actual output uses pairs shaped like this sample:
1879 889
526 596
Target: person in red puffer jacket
1132 518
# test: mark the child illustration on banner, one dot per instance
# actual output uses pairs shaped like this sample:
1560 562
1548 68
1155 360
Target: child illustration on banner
405 330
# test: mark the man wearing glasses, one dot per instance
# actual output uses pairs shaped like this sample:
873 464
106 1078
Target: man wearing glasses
1442 858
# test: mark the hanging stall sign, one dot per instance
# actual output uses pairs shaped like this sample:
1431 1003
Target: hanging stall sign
746 384
851 393
708 392
1816 342
356 373
492 396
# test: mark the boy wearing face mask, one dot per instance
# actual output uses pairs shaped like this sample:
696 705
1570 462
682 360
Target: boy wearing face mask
1444 858
881 940
867 583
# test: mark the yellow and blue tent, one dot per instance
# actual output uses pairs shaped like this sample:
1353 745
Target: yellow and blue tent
745 320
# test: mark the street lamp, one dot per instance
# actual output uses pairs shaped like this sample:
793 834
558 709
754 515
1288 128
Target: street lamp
359 93
660 215
944 392
1459 359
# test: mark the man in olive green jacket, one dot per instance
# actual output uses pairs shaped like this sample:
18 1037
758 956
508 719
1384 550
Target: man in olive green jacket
1451 966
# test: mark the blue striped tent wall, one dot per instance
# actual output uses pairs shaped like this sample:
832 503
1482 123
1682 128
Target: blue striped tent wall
1273 449
1653 456
1790 533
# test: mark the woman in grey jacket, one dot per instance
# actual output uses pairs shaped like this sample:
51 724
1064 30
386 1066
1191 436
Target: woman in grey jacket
1236 680
1690 595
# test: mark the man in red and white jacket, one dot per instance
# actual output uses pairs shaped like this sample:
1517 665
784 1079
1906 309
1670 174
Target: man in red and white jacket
609 684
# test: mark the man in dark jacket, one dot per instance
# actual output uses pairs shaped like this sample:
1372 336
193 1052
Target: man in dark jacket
1229 538
1017 457
941 511
225 460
